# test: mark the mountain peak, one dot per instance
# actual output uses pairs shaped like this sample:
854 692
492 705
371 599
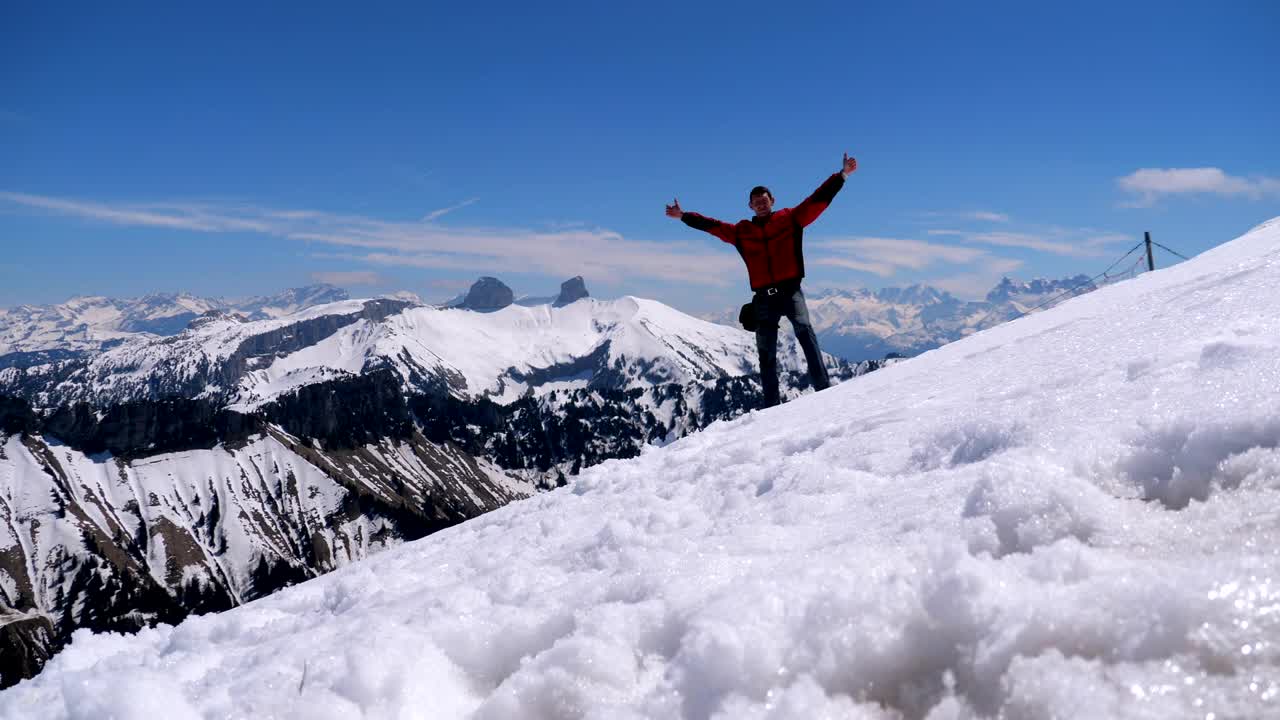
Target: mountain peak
575 288
488 294
1009 289
914 295
307 295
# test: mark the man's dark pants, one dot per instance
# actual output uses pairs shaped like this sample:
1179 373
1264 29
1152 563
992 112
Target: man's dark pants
789 303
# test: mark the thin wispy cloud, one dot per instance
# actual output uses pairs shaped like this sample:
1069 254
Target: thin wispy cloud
963 261
434 214
1148 185
988 216
886 256
600 254
978 281
1081 242
881 269
1031 242
448 284
967 215
348 277
964 270
190 217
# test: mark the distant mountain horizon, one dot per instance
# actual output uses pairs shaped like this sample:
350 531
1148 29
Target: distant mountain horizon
856 324
95 322
860 324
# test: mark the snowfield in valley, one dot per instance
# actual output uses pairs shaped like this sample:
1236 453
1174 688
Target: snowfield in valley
1076 514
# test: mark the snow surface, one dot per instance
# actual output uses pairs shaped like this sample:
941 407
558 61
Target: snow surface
1076 514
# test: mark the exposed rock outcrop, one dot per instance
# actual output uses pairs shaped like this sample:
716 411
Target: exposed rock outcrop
575 288
488 294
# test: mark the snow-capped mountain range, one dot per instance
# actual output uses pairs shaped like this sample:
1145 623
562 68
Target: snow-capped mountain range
856 324
92 323
865 324
501 355
1071 515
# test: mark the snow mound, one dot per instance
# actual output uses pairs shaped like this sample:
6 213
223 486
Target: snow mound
1074 514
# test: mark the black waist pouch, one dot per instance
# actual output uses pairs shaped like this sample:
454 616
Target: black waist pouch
747 317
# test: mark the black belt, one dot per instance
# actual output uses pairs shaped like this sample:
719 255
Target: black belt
784 286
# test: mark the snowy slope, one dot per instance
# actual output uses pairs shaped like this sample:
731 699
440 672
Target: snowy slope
960 535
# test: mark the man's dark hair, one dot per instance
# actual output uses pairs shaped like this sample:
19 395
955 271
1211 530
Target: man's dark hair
759 190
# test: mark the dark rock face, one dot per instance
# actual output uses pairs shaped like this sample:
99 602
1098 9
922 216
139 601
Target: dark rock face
137 429
347 413
16 416
488 294
28 644
575 288
38 357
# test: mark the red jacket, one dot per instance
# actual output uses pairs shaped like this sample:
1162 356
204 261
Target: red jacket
771 246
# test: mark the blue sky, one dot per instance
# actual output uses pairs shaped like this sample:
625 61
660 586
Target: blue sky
235 149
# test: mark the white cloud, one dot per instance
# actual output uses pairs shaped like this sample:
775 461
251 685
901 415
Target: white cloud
880 269
912 254
976 284
1003 266
988 216
601 255
1097 239
431 216
1055 239
1068 242
965 266
449 284
188 217
1150 184
885 256
348 277
977 215
966 271
1031 241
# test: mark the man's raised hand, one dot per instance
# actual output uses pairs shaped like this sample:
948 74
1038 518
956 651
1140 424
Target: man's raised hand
849 165
673 210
